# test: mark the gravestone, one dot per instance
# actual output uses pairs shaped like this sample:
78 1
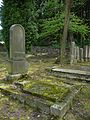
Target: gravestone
81 54
72 53
89 53
18 63
77 53
86 53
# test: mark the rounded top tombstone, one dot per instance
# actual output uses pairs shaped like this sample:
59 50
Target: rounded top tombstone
17 41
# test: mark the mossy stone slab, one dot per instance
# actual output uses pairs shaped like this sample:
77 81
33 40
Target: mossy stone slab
52 92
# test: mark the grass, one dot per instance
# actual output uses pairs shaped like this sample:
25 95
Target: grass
13 110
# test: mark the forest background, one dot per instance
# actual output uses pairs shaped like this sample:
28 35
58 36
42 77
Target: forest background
43 21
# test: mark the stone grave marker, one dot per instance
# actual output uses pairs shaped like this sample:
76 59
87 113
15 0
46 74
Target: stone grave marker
86 53
89 53
77 53
18 63
81 54
72 52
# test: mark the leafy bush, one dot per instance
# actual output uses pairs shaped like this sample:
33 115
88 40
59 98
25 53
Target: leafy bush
53 27
19 12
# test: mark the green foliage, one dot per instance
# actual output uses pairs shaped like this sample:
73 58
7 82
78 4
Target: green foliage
55 25
19 12
43 20
51 8
79 3
78 26
52 23
86 42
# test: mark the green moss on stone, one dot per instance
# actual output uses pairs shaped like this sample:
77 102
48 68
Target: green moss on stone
44 89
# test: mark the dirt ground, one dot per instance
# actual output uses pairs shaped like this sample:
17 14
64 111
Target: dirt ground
13 110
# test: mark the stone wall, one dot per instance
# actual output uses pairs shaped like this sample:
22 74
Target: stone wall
44 50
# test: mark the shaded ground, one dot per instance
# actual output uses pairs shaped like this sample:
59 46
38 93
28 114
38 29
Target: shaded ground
81 108
13 110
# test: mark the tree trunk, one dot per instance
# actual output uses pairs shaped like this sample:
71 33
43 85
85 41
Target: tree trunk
65 31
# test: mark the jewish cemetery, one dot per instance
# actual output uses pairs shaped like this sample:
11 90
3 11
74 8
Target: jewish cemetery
45 60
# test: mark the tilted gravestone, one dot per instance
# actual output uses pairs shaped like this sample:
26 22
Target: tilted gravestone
18 63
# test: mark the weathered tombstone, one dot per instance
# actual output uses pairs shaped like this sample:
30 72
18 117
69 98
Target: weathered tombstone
77 53
81 55
18 64
89 53
72 53
86 53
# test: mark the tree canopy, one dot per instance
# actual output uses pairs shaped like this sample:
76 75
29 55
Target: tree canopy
44 20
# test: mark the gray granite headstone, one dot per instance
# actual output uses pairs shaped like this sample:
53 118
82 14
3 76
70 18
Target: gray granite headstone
86 53
77 53
89 53
72 52
81 54
18 63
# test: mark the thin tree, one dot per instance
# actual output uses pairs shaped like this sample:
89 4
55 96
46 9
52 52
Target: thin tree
65 31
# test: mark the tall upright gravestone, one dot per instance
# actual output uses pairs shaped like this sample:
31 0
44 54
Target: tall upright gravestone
89 53
86 53
81 55
18 63
72 53
77 53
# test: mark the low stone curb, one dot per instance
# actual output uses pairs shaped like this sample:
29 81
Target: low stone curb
32 101
60 109
57 109
72 74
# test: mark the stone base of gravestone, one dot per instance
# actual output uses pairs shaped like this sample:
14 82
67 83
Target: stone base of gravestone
18 67
11 77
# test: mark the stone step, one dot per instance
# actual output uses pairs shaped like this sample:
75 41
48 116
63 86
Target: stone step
72 74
